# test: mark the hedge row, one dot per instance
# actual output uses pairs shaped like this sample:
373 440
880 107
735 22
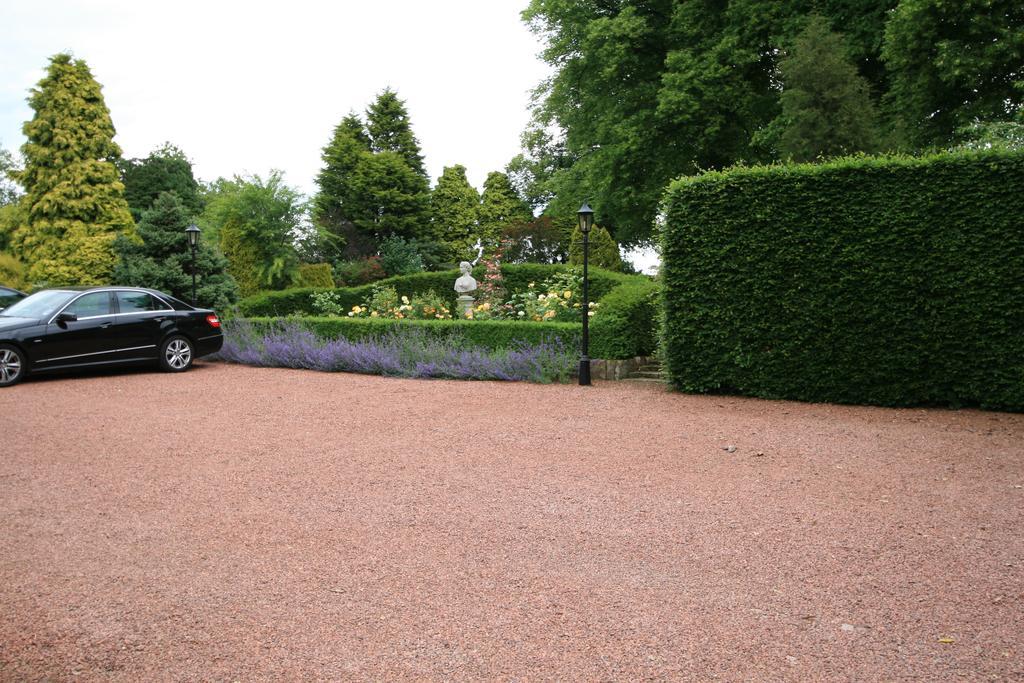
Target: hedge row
488 334
299 301
889 281
626 324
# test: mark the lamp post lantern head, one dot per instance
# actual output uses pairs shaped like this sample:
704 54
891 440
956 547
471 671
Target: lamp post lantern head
586 216
193 235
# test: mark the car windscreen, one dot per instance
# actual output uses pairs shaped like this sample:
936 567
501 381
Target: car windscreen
38 305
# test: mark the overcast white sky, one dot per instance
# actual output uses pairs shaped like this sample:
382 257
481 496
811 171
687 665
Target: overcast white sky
244 87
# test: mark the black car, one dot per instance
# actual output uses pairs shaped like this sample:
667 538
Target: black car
57 329
9 296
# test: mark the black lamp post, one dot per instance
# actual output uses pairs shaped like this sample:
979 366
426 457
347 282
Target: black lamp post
586 216
192 232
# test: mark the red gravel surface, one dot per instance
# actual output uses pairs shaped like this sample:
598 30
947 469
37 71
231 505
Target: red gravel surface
234 523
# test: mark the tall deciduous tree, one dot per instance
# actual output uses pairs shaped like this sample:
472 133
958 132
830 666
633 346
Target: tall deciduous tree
163 259
74 201
256 221
646 90
954 63
166 169
826 105
387 121
500 207
455 211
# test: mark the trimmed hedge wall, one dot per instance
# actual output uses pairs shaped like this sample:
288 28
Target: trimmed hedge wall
517 277
626 323
489 334
631 330
888 281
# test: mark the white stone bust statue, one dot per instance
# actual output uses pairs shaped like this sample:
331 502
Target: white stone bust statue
466 283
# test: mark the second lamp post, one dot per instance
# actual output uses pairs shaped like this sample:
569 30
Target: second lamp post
193 242
586 217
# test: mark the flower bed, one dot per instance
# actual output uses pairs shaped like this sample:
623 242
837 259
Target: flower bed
403 351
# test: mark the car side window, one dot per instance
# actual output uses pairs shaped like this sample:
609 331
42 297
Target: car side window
138 302
89 305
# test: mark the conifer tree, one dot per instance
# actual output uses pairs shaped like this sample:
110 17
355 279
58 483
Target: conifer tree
454 211
387 121
337 204
826 104
74 202
500 207
603 250
163 260
166 169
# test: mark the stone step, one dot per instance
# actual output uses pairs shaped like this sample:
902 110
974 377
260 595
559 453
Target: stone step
647 380
650 368
647 374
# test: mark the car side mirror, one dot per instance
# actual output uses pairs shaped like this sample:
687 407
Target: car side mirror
67 318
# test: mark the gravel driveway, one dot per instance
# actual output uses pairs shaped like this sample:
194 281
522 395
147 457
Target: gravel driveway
235 523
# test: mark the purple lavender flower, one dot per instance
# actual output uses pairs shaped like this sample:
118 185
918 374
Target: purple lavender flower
401 352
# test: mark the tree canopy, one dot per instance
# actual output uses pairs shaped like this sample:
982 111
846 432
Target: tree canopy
166 169
256 220
500 207
455 212
826 105
952 64
372 184
74 204
163 260
646 90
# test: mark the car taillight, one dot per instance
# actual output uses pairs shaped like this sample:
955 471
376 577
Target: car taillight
213 320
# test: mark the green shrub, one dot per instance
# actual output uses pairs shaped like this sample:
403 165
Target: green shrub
488 334
626 324
358 272
12 272
889 281
315 275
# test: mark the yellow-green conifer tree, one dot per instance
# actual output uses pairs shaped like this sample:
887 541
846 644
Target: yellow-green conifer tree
74 204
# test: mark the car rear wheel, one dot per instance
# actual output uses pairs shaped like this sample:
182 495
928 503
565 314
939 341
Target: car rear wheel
176 354
12 365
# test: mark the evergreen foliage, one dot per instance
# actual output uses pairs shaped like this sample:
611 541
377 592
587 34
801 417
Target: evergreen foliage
826 105
400 257
395 199
500 207
455 212
337 204
166 169
74 204
541 240
316 275
372 184
603 249
12 272
9 190
163 259
890 281
256 221
387 121
953 64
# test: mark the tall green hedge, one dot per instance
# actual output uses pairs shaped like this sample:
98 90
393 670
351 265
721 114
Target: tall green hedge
626 322
889 281
488 334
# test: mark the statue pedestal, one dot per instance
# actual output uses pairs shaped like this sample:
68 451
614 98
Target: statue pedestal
465 304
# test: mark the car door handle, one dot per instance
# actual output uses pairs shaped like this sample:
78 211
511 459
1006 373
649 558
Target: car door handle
104 326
